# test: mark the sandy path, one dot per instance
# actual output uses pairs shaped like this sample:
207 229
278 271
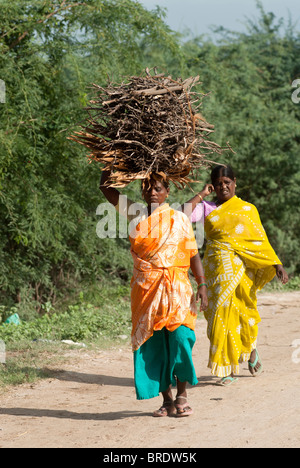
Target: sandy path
92 403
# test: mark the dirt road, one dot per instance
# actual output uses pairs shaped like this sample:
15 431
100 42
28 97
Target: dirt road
92 403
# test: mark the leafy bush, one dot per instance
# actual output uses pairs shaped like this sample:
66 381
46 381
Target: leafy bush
50 53
48 191
78 323
249 77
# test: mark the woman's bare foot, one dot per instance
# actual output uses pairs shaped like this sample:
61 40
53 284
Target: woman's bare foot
254 364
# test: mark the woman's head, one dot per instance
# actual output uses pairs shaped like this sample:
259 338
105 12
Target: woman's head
155 190
224 182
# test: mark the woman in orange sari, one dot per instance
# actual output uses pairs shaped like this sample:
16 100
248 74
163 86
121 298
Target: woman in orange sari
164 310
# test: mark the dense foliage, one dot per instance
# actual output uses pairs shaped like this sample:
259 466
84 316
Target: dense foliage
50 52
250 77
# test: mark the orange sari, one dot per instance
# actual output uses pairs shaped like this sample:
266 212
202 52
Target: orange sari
161 293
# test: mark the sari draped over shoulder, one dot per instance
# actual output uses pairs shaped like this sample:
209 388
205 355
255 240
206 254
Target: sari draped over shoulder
161 293
238 262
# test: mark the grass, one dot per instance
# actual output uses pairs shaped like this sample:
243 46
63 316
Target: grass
34 344
276 286
28 362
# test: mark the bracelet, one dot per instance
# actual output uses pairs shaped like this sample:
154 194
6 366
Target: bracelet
200 278
201 198
202 284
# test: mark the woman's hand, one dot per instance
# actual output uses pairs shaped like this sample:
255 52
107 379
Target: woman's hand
202 295
190 205
208 189
110 193
281 274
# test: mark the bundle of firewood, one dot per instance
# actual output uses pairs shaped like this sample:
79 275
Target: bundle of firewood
149 125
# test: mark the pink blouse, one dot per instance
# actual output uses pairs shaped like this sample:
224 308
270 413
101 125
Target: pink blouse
202 210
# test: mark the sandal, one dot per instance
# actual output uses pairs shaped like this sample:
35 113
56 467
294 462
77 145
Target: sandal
252 365
183 410
227 381
167 409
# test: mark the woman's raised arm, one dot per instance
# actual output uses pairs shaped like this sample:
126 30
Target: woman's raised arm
189 206
110 193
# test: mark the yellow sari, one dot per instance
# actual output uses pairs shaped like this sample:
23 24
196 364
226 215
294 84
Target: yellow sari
161 293
238 262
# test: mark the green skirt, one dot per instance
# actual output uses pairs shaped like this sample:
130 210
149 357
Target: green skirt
163 358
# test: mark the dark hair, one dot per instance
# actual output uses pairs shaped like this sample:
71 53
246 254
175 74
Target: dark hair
146 183
222 171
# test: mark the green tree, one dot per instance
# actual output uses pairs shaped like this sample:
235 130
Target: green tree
249 76
50 52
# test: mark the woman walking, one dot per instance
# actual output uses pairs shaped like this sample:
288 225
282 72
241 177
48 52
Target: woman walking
238 262
163 305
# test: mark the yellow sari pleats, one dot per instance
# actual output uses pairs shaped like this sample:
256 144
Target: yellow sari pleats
238 262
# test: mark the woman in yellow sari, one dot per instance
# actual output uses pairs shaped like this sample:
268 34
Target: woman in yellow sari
163 304
238 262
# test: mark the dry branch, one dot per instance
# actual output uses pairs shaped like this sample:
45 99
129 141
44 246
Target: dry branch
150 124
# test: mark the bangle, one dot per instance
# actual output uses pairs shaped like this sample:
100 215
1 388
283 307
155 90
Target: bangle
202 284
201 198
200 278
